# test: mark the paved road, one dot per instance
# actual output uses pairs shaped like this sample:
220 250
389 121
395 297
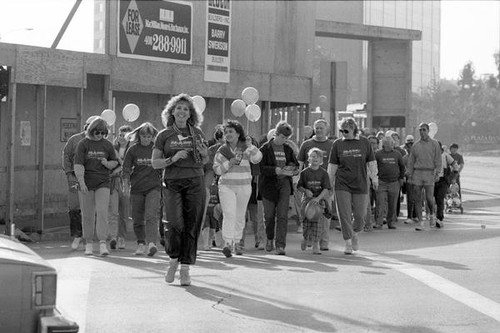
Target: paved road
400 281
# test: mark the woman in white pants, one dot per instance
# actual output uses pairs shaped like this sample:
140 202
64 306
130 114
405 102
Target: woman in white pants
232 164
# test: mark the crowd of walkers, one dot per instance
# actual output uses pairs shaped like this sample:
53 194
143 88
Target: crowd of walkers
176 185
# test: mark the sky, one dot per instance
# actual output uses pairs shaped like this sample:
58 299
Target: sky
469 30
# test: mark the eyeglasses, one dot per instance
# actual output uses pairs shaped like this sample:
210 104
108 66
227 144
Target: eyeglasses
344 131
100 133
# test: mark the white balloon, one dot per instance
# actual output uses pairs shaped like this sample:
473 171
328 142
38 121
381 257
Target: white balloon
253 112
250 95
199 102
238 107
433 128
109 115
131 112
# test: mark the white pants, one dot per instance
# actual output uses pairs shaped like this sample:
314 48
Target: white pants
234 201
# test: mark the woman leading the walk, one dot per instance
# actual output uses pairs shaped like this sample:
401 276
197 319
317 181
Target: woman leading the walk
181 151
349 159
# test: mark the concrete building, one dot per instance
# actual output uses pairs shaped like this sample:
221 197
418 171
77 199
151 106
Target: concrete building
272 46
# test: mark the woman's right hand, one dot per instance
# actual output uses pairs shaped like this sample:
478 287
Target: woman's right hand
180 155
83 188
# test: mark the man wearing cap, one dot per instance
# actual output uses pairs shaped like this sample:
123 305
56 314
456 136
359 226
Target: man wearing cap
424 165
460 161
68 156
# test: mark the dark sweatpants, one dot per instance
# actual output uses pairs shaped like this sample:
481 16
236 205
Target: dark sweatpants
184 203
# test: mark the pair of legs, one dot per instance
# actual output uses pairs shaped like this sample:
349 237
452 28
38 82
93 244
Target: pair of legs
234 201
119 205
75 214
94 206
440 189
387 197
423 179
276 216
255 218
351 205
145 208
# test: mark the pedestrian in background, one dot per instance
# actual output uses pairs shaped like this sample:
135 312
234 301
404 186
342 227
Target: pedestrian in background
142 184
74 210
314 184
448 170
278 165
371 211
460 161
119 202
181 151
94 159
352 161
391 171
232 165
424 165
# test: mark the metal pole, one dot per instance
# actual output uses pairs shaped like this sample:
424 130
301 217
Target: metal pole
12 160
66 23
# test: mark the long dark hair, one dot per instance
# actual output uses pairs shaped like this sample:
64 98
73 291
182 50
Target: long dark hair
234 124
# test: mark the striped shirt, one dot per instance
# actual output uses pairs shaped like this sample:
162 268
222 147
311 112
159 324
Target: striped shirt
236 174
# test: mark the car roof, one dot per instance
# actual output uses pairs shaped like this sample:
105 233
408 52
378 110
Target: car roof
14 252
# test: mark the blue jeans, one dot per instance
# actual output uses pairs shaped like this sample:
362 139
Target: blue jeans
349 205
184 203
145 213
276 214
387 194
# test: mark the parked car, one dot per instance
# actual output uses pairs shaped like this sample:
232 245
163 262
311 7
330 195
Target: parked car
28 286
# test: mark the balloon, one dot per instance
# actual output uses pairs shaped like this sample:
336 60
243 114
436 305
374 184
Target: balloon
238 107
433 128
109 115
131 112
253 112
199 102
250 95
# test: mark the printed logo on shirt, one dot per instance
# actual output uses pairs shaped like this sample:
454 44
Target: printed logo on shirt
314 186
389 160
94 154
184 143
144 161
280 158
352 153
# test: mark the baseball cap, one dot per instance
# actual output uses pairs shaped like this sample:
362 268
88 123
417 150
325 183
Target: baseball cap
409 138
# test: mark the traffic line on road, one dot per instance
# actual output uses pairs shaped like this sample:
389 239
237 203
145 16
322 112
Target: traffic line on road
465 296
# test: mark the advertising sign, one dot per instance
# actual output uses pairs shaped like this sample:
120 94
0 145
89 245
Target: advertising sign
218 41
155 30
68 128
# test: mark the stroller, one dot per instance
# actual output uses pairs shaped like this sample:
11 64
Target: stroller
453 199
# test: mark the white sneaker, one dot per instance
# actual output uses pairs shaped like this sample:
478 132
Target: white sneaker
76 243
121 243
141 248
348 247
421 226
89 249
172 268
152 249
184 273
103 249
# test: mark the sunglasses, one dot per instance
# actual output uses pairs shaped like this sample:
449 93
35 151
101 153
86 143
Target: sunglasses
100 133
344 131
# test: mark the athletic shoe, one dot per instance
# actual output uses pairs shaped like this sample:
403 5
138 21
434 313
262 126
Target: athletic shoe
316 249
185 278
439 224
172 268
121 243
280 251
103 249
152 249
261 246
141 248
76 243
421 227
238 249
112 244
269 245
227 251
89 249
303 245
348 248
355 242
300 229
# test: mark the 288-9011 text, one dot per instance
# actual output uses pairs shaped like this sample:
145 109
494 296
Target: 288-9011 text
164 43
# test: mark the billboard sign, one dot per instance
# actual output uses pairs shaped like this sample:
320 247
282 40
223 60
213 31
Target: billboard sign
218 41
155 30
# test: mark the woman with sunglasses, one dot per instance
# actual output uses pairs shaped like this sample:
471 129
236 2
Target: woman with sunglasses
94 159
351 161
181 151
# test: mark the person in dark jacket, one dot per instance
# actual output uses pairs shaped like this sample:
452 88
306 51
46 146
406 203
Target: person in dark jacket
278 165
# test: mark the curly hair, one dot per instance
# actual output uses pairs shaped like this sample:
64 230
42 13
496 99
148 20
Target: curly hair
167 117
234 124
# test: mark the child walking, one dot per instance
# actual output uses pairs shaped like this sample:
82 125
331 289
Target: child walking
314 184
